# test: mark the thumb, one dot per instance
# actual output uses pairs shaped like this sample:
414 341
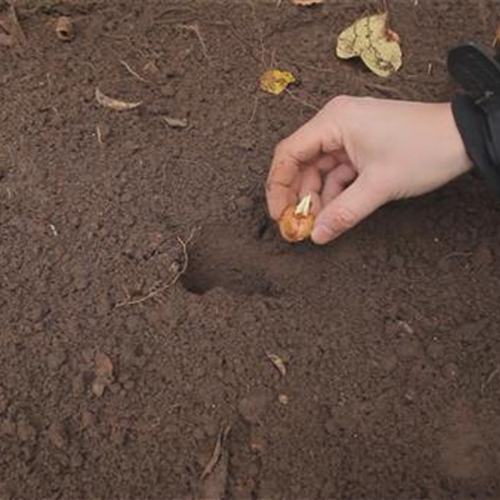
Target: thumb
354 204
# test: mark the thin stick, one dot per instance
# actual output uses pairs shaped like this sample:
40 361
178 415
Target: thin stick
99 135
196 30
174 280
254 110
132 72
298 99
489 379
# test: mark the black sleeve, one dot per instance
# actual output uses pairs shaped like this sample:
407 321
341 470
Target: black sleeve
479 126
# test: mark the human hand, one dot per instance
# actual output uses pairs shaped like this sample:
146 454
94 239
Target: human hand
357 154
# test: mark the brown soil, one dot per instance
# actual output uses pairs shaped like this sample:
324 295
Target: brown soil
390 336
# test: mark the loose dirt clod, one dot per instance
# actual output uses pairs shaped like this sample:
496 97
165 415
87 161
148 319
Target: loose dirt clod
103 369
11 32
65 29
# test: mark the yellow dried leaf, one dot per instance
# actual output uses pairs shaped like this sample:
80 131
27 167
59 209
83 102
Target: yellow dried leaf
278 362
307 3
275 81
117 105
371 39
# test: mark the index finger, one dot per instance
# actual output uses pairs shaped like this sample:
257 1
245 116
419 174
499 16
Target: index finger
292 155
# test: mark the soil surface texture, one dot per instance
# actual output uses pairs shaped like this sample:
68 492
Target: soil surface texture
146 301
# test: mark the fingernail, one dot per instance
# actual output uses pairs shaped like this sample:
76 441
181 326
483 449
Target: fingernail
321 234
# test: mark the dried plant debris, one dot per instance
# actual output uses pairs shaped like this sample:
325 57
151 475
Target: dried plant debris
116 104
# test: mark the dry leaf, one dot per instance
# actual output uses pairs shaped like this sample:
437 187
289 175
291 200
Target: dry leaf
307 3
371 39
278 363
65 29
275 81
117 105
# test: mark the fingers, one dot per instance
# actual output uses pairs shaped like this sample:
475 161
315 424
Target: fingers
348 209
292 155
336 181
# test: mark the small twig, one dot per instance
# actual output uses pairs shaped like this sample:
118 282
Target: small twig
99 135
254 109
489 379
298 99
172 282
196 30
216 454
132 72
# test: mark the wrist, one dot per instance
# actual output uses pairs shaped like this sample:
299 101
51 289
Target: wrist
477 130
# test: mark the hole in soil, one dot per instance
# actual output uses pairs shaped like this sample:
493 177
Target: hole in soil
220 258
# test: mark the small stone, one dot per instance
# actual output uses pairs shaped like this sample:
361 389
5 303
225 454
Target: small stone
283 399
57 435
25 432
56 359
98 387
